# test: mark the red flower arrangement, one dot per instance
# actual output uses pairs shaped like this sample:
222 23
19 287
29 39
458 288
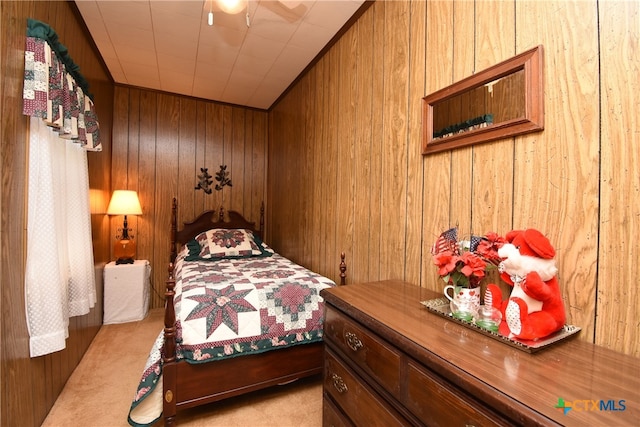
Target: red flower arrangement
464 263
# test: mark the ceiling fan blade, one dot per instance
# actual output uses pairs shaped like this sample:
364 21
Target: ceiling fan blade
291 11
291 4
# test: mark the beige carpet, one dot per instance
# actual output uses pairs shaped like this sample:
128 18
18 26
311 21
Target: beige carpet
99 392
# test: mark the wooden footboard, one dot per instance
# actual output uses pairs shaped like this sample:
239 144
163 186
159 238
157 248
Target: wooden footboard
210 382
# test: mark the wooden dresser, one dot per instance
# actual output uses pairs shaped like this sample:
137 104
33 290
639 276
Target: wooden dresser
389 361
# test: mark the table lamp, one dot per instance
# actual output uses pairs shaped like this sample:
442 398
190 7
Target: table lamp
124 202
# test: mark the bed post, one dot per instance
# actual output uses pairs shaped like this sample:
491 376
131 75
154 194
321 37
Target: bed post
343 270
262 219
169 348
174 229
169 353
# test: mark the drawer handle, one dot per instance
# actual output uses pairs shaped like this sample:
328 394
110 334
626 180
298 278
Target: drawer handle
353 341
339 384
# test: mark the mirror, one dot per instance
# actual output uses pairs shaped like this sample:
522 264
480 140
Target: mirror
502 101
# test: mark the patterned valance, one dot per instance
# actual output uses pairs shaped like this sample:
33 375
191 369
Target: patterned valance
54 89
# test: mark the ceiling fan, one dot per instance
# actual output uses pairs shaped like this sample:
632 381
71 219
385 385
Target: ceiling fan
291 10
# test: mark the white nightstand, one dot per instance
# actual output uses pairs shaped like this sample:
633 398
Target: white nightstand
126 291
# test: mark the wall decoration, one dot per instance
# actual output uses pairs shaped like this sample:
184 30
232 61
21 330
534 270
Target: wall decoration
204 181
511 92
222 176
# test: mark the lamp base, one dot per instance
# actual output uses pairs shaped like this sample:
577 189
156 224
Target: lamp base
125 251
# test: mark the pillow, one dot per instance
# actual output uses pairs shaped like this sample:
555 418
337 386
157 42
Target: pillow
266 250
220 243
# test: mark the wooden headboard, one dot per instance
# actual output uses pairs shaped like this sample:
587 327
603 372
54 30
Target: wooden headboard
206 221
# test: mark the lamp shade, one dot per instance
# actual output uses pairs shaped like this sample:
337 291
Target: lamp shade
124 202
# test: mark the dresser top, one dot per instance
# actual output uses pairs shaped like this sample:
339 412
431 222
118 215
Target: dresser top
601 386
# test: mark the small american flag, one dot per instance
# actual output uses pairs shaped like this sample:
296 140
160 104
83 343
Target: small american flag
474 242
448 241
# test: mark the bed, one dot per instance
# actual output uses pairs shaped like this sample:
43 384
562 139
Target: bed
211 347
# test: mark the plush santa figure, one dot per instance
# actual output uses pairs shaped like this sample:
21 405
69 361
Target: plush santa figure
535 308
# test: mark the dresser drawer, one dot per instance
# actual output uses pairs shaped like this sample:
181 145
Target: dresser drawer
370 353
331 415
437 404
357 401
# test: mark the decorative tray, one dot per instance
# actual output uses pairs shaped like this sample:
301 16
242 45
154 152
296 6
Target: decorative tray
440 306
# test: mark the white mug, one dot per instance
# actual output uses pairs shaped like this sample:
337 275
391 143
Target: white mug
465 302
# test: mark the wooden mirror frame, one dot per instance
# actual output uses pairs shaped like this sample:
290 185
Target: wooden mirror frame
531 62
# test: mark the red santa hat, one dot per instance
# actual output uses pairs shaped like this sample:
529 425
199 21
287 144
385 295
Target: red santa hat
531 242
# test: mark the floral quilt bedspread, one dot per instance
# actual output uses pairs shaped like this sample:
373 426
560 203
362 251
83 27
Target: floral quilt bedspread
233 307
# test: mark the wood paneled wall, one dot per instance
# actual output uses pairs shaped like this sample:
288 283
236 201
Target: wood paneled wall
352 128
160 142
29 387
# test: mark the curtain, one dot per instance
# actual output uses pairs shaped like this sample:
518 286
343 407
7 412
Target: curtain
59 275
55 91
